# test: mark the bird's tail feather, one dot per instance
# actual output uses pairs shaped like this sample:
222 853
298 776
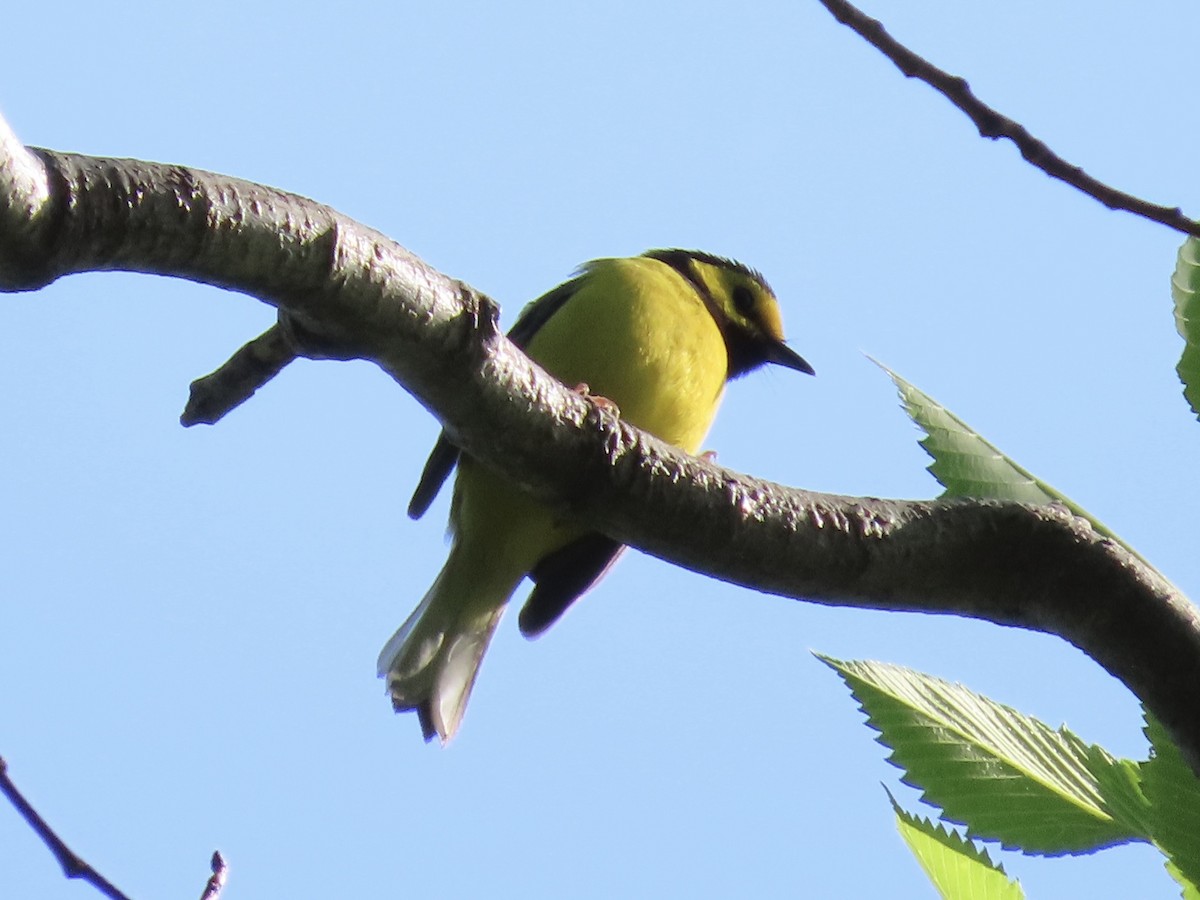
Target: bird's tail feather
431 662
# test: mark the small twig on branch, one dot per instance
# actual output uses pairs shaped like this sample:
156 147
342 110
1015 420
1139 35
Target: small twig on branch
251 367
72 865
994 125
216 881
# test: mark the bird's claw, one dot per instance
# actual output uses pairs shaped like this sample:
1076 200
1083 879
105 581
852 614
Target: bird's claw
603 403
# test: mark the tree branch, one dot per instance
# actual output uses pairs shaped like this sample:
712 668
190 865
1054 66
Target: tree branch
216 882
347 291
252 366
72 865
992 124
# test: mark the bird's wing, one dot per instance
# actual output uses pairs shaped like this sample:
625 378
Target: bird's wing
438 467
562 577
444 456
538 312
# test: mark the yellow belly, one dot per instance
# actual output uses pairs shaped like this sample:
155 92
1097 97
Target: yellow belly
637 334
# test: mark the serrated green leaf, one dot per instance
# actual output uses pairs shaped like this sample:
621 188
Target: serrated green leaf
1120 782
958 869
1174 795
1185 290
1189 891
1004 775
967 465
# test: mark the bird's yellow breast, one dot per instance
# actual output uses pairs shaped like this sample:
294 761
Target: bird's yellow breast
638 334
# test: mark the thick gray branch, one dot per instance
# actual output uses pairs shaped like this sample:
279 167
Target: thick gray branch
346 291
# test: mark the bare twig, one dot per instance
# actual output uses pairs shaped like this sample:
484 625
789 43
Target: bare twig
216 881
72 865
994 125
251 367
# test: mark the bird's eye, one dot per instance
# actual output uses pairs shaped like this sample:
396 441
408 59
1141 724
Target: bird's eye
743 300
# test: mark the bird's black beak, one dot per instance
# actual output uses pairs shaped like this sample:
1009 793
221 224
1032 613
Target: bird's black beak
782 355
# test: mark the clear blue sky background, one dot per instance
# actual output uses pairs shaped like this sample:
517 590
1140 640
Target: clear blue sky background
191 617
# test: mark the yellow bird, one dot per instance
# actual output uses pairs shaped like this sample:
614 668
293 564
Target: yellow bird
659 335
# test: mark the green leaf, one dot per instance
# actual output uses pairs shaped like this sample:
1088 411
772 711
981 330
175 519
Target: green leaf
1185 289
1174 795
1004 775
1190 891
958 869
1120 782
963 462
966 465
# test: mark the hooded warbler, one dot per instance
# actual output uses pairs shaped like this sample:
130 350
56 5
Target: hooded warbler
658 335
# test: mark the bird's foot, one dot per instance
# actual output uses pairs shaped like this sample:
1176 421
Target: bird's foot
602 402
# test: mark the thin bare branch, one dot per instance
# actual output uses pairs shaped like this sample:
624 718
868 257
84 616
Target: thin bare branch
72 865
993 124
216 881
251 367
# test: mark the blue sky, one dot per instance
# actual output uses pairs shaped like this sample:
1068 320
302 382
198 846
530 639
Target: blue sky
192 616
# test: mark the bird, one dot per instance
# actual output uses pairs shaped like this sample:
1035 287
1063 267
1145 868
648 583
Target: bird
658 336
